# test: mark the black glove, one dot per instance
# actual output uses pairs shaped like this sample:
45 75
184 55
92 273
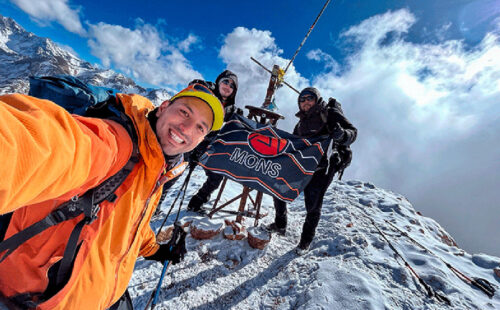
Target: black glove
336 133
174 250
239 111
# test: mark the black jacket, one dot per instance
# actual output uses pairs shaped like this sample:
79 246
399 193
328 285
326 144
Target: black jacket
319 120
229 107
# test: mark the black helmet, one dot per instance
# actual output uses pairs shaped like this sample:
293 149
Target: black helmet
309 91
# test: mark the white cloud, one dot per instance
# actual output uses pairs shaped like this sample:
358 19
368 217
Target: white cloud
243 43
53 10
141 53
428 115
320 56
185 45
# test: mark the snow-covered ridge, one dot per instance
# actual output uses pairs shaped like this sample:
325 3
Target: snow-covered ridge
23 54
349 266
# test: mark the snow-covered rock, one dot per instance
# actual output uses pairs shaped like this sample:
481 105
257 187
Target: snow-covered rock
234 230
205 228
258 238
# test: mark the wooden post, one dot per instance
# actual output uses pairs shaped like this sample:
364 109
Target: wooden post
243 202
220 193
258 203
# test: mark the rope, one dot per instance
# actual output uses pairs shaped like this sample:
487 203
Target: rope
482 284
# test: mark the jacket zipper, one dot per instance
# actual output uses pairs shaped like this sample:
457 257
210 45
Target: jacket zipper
138 224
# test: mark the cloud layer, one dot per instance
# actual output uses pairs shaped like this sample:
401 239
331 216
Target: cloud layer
238 47
142 52
53 10
427 114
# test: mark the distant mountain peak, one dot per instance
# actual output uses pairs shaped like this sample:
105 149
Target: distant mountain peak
23 54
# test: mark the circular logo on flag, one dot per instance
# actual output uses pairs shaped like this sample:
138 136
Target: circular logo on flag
266 146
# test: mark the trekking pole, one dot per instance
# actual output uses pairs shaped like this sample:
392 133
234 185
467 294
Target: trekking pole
307 35
484 285
430 292
178 234
153 299
181 191
157 291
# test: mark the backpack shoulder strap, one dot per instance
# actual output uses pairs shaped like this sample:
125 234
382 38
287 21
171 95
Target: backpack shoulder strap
88 204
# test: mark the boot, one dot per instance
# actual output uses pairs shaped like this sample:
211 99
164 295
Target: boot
274 228
195 203
302 248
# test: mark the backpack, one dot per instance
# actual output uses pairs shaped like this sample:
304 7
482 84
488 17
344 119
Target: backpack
344 159
83 99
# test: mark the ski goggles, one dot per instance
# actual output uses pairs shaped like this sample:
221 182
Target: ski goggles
228 82
202 92
307 98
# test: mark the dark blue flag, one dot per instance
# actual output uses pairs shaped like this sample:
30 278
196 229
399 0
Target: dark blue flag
264 158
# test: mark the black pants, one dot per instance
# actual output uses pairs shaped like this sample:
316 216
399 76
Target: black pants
313 198
211 184
124 303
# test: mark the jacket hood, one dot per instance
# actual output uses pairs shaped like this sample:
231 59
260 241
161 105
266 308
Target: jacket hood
230 75
309 90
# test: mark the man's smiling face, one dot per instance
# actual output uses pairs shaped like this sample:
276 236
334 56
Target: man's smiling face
182 124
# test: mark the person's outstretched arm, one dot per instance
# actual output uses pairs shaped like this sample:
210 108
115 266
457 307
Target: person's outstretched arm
47 152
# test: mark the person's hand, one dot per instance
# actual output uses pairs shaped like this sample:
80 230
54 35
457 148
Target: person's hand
337 133
172 251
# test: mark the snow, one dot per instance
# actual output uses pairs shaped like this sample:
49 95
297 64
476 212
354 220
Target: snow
207 224
349 265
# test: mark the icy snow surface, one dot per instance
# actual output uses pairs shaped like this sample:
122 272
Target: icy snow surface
349 265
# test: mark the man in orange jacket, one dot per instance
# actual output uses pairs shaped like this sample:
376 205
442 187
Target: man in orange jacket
50 156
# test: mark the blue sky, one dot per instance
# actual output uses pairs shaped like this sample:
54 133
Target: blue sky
288 22
420 79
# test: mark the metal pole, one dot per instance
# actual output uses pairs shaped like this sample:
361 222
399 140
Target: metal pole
307 35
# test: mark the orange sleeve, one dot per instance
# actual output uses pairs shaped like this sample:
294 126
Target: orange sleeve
47 152
149 244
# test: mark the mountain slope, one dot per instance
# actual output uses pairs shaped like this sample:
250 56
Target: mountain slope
349 266
23 54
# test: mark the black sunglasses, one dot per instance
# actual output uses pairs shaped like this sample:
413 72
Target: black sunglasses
228 82
306 98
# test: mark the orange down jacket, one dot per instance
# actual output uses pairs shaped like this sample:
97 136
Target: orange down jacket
49 156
